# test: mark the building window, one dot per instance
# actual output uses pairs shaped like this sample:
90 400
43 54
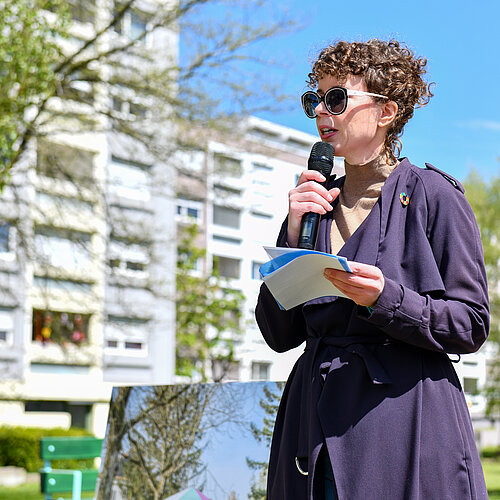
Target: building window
227 217
137 25
64 162
82 11
262 168
232 317
227 166
261 215
6 327
226 193
226 239
129 179
134 345
128 258
66 286
63 249
189 211
5 238
63 206
227 267
138 110
132 25
470 385
260 370
79 412
60 327
255 270
223 369
126 336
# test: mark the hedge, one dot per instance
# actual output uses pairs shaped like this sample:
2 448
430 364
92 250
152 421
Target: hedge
491 452
20 447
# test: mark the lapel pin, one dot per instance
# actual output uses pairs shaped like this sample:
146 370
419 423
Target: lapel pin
405 199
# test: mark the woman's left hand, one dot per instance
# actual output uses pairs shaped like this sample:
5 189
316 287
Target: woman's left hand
364 285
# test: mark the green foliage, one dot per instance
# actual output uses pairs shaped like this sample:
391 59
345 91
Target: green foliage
28 52
491 452
484 197
208 312
20 447
35 71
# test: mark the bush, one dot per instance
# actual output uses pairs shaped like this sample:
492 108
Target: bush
20 447
491 452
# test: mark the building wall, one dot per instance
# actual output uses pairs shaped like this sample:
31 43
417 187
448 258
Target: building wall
87 266
241 208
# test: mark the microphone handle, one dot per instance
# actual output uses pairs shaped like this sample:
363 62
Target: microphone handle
309 227
308 231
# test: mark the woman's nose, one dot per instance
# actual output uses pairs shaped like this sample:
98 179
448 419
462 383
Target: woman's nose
320 109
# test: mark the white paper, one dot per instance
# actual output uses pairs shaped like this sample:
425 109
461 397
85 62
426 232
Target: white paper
302 278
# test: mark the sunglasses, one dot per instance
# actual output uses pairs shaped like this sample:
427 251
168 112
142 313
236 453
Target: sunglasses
335 100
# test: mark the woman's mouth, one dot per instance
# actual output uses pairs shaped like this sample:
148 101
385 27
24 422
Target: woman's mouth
326 132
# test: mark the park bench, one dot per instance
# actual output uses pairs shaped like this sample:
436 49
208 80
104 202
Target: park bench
68 480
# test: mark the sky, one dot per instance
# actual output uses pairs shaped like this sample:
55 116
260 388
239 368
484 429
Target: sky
460 128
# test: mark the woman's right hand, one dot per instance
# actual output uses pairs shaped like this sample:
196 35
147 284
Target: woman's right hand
308 196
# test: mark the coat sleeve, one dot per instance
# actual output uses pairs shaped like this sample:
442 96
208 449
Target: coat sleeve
456 321
282 330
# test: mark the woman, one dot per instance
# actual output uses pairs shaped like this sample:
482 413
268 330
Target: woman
373 408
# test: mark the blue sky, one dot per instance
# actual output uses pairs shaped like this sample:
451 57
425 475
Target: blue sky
460 128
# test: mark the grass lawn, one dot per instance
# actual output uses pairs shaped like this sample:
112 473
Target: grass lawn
31 491
492 474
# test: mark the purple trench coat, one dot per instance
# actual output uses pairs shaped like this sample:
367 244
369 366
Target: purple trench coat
378 388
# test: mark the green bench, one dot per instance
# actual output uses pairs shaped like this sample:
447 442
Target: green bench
64 481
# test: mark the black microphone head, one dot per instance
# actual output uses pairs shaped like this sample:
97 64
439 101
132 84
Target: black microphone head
321 158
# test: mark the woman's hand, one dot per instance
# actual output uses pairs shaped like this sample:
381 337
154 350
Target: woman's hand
307 196
364 285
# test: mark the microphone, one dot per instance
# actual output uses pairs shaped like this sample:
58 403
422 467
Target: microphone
320 159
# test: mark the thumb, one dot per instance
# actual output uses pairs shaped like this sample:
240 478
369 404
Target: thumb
334 192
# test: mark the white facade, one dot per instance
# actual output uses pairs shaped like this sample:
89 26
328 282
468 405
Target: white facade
241 209
87 265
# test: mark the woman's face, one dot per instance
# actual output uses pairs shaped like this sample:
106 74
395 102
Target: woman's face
355 134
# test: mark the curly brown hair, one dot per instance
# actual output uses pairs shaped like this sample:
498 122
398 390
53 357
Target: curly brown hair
388 68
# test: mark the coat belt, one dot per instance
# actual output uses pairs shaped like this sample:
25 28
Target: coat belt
354 345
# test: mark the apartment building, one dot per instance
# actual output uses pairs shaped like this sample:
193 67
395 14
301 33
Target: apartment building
236 191
87 262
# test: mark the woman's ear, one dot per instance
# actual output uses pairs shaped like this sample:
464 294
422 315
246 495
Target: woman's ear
388 114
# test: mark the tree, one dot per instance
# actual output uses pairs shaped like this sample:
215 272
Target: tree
50 86
208 313
80 69
156 436
162 450
28 50
269 403
484 197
